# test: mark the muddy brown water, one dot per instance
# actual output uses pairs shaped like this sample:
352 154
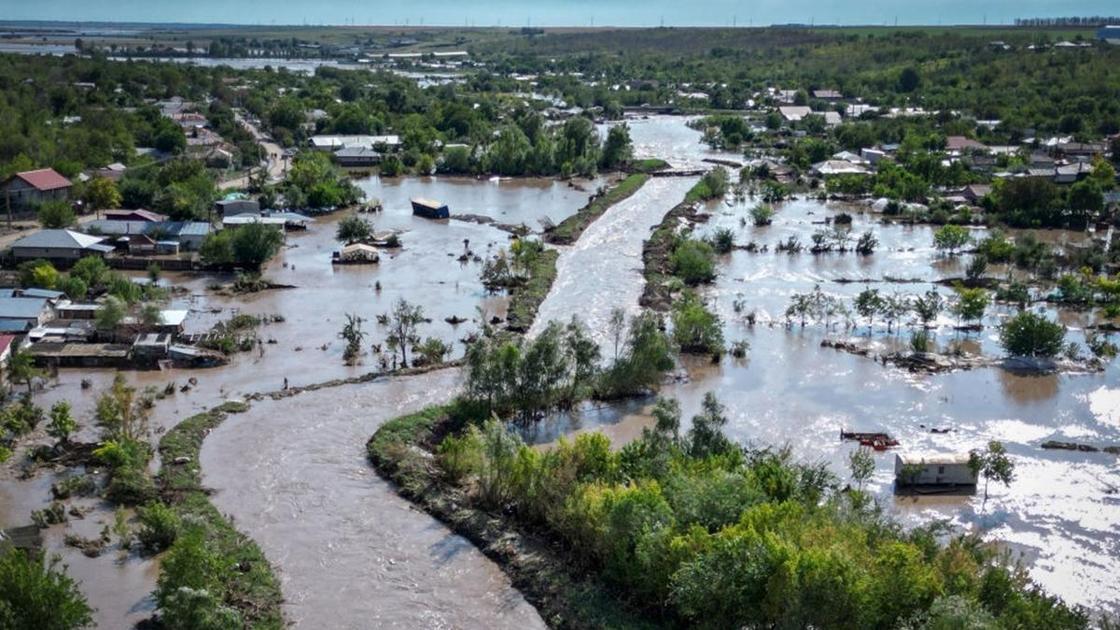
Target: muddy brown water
307 350
293 473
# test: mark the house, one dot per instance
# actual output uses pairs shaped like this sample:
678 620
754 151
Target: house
356 157
28 189
1081 151
794 113
838 167
70 310
872 156
831 118
334 142
1109 34
828 95
859 109
430 209
187 234
22 314
59 245
1070 173
151 345
134 215
232 207
933 469
958 145
114 171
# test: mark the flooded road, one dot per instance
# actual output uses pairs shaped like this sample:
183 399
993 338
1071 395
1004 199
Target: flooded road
295 475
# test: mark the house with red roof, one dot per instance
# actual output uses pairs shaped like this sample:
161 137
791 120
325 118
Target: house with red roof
30 188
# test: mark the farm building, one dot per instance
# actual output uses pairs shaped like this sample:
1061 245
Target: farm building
933 469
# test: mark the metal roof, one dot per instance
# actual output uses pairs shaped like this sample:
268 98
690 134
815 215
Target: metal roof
44 179
21 308
57 239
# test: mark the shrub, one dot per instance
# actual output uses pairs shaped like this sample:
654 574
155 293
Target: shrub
159 527
694 262
762 214
1030 335
695 328
38 594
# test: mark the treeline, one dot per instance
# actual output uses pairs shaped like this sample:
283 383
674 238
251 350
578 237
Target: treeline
1067 21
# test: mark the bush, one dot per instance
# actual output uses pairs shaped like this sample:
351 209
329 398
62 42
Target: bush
762 214
1031 335
130 486
56 214
694 262
695 328
38 594
159 527
722 241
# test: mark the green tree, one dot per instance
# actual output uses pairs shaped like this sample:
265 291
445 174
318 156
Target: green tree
706 437
56 214
992 464
1030 335
403 322
868 304
950 238
694 262
353 229
970 304
102 193
695 328
22 371
35 593
62 423
617 151
110 315
862 464
253 244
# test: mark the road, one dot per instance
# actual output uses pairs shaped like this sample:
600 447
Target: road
274 157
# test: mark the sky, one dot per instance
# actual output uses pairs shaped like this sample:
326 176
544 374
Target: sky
553 12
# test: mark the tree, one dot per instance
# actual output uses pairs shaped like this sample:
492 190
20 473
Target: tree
970 304
617 150
667 416
22 370
976 267
862 465
694 262
868 304
695 328
403 322
928 306
102 193
38 594
120 415
909 79
56 214
706 437
950 238
993 464
352 333
353 229
110 315
762 214
1030 335
249 245
62 423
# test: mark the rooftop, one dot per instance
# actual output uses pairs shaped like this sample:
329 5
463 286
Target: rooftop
44 179
58 239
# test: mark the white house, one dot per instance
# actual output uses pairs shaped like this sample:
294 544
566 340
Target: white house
933 469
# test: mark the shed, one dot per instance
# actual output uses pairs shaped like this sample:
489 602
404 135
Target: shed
430 209
233 207
357 156
933 469
26 312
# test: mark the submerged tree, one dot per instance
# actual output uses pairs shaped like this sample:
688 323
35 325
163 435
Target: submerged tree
403 322
992 464
862 465
352 333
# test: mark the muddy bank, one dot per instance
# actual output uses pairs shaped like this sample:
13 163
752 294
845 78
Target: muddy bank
570 229
935 363
543 571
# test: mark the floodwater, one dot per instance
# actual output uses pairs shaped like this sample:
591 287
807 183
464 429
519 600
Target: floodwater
305 349
295 475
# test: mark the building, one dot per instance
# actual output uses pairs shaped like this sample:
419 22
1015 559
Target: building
21 314
233 207
333 143
794 113
829 168
958 145
187 234
933 469
357 157
1109 34
430 209
59 245
30 188
828 95
7 344
114 171
134 215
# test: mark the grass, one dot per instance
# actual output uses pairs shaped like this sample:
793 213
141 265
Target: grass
570 229
649 165
543 572
527 298
250 585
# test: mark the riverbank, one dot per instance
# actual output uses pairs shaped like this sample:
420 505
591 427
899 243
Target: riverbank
658 248
401 452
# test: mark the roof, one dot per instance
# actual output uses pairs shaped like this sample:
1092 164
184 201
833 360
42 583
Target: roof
933 458
246 219
14 325
6 342
146 215
58 239
340 141
41 293
117 227
429 203
839 167
795 112
827 94
173 317
960 143
44 179
22 308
